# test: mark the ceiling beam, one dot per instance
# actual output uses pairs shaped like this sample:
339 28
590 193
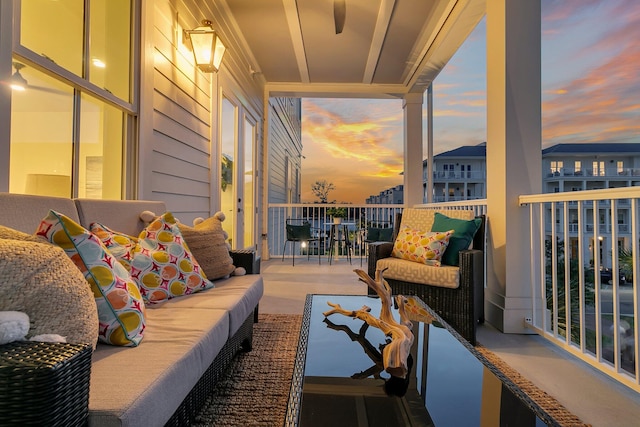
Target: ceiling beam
293 19
336 90
379 33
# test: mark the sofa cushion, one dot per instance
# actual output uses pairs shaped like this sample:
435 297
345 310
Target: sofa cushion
143 386
121 215
420 246
207 242
422 219
445 276
238 295
463 232
24 211
162 264
120 306
37 278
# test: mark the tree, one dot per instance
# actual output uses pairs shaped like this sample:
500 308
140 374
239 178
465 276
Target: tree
574 289
321 190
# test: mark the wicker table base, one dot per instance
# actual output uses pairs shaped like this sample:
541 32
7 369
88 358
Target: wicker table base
44 384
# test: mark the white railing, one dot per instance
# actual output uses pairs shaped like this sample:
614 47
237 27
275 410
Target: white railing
478 206
597 285
358 217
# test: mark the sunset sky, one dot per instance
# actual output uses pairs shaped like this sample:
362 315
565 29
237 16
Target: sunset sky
590 93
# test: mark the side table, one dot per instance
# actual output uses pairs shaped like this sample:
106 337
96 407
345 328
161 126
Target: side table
44 383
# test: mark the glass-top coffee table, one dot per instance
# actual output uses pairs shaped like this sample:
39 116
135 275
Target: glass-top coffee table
339 379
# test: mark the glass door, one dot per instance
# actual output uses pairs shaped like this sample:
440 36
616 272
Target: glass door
237 174
228 168
249 174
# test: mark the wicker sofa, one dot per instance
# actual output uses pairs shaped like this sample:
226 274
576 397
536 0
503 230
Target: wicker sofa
188 341
461 303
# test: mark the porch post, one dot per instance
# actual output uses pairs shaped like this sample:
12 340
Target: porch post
413 189
514 154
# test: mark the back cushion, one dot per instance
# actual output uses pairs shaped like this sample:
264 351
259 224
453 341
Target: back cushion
422 219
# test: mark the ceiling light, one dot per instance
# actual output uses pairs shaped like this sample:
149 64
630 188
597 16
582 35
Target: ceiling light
17 82
98 63
207 47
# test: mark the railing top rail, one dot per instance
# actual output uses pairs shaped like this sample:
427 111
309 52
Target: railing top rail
570 196
461 203
333 205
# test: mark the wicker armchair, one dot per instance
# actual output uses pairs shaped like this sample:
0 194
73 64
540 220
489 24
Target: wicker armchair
462 307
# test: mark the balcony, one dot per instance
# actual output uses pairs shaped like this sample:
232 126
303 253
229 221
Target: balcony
572 174
590 351
473 176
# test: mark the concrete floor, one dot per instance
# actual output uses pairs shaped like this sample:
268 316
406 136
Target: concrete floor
584 391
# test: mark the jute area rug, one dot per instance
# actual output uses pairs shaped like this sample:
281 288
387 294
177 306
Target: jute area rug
255 390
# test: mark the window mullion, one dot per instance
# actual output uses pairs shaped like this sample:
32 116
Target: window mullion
75 136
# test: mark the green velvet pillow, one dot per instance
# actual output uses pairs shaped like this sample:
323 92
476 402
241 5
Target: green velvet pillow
378 234
464 230
385 235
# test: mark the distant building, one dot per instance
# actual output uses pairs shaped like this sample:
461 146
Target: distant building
390 196
458 174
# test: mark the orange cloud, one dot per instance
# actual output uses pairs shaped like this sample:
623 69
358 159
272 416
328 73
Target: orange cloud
357 144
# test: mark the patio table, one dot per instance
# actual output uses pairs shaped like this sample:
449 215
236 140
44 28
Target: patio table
339 380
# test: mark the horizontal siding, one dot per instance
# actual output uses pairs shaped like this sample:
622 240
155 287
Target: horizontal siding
180 132
179 185
178 168
169 108
169 146
190 104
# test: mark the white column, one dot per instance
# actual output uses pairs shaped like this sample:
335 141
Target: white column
514 162
412 107
429 183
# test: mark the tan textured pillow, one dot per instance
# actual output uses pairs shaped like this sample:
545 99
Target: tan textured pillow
40 280
11 234
206 241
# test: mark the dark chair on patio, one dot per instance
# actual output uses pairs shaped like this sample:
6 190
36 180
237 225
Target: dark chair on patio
375 231
300 230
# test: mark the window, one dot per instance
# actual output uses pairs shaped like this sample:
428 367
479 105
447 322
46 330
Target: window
577 167
598 168
620 166
556 166
77 148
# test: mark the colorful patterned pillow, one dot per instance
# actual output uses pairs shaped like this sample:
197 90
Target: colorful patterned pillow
423 247
121 311
119 244
161 263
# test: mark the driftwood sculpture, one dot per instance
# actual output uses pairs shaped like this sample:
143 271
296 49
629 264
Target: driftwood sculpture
395 354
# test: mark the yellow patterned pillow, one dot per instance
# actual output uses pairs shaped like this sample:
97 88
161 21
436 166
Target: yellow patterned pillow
162 265
119 244
423 247
121 312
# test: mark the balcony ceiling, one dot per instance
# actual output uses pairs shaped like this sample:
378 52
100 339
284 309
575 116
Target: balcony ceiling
387 47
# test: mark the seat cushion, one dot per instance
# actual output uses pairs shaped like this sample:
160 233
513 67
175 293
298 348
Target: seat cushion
408 271
239 295
143 386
